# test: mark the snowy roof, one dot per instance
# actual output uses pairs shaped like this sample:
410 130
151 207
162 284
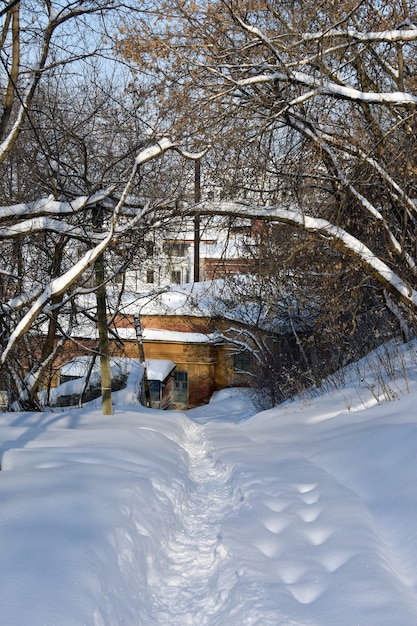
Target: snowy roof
126 332
77 367
151 334
235 300
173 336
192 299
158 369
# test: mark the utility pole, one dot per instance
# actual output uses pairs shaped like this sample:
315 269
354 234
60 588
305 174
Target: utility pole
197 199
146 393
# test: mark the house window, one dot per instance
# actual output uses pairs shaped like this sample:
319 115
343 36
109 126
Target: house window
176 277
176 248
150 276
150 248
180 393
242 361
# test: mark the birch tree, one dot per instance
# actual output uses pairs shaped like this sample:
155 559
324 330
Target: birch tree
326 91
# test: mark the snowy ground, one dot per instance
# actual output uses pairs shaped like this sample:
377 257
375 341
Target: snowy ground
302 515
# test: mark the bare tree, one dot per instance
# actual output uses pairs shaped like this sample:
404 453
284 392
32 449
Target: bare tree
48 215
326 93
311 112
69 134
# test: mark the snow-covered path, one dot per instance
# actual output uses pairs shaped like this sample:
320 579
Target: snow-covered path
190 588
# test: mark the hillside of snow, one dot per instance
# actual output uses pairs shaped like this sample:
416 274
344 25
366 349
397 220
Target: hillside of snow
303 515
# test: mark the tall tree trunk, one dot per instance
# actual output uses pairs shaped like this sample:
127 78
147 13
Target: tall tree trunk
145 391
103 338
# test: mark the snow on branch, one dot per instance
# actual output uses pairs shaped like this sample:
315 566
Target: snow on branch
388 36
162 146
56 287
329 88
407 32
44 224
348 243
396 190
50 206
243 343
396 245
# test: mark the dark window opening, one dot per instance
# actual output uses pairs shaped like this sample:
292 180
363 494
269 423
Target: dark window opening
150 276
150 248
242 361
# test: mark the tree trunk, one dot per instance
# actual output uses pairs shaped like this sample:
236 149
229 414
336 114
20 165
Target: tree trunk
103 338
145 391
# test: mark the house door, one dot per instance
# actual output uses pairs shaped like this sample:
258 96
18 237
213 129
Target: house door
180 393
